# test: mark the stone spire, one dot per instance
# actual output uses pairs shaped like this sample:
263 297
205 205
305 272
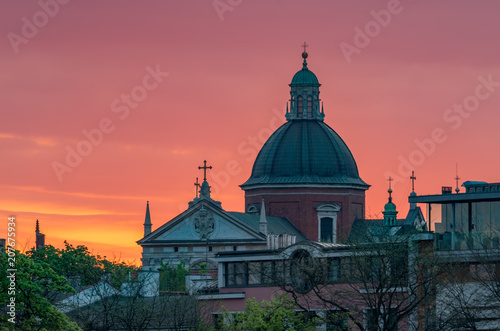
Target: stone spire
263 219
147 221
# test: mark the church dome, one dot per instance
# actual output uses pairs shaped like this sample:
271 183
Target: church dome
305 152
304 77
390 207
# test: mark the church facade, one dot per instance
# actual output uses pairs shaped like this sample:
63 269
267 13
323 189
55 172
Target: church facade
304 185
304 211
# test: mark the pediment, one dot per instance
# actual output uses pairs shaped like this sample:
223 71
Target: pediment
200 222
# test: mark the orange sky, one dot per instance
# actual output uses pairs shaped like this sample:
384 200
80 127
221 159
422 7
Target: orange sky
418 70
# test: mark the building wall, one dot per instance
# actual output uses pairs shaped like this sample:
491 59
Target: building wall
191 254
298 206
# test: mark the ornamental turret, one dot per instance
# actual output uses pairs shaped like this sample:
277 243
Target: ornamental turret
304 95
390 211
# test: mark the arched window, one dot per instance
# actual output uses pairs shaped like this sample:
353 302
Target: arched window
309 107
300 106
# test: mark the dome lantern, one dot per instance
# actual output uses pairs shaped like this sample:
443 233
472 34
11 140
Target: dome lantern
304 94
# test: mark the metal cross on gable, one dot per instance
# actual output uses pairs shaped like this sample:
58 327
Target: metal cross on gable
197 186
413 178
205 169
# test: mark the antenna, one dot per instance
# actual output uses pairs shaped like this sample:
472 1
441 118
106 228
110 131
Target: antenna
457 189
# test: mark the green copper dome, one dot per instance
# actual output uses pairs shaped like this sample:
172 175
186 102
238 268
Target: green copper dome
305 152
305 76
390 207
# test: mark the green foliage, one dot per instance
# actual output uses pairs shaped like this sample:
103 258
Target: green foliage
203 268
34 281
173 279
41 279
78 261
276 314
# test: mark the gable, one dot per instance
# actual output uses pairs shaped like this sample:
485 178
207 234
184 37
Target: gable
202 222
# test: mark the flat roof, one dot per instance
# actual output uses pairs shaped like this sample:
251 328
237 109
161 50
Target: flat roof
455 197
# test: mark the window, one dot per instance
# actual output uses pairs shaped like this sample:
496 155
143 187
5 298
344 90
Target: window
303 271
326 230
350 270
309 107
253 273
300 106
267 273
176 249
334 270
236 274
282 272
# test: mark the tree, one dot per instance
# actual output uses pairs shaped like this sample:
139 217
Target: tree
135 309
174 278
378 282
33 311
78 261
276 314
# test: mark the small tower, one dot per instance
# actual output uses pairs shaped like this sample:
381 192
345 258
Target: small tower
263 219
147 221
304 94
39 237
390 211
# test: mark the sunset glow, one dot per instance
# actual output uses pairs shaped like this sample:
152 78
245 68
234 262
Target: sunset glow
107 105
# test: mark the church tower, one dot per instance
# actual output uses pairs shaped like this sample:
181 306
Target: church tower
305 172
390 213
39 237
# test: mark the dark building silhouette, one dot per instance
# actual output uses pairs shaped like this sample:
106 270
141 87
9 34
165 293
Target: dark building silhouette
40 237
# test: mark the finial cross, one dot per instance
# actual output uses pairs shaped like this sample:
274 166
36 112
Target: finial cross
205 169
413 178
197 186
305 46
390 180
457 189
